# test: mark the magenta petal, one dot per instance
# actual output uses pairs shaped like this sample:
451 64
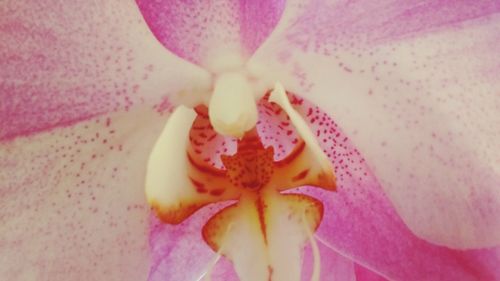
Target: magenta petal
65 61
180 253
201 31
335 266
332 265
364 274
258 19
316 24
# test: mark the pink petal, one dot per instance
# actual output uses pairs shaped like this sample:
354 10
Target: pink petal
333 265
73 203
364 274
66 61
204 31
361 223
180 253
416 89
313 24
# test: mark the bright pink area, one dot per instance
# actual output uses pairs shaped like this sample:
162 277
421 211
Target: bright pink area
257 20
332 265
190 29
342 23
364 274
180 253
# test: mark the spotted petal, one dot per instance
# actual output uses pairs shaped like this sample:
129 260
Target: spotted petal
66 61
361 223
310 165
73 204
416 89
211 33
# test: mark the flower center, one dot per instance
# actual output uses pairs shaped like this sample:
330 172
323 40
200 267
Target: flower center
252 166
181 179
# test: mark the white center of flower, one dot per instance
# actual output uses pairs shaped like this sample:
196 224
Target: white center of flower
232 108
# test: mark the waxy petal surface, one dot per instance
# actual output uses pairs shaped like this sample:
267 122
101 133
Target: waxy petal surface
417 91
66 61
207 32
73 203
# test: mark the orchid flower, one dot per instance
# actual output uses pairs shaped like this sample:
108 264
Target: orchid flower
249 140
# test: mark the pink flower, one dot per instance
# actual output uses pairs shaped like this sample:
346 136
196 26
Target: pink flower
403 99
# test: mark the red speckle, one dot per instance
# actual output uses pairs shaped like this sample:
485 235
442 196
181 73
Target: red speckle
200 187
217 192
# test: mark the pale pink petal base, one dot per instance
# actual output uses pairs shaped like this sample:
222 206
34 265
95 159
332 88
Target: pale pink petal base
72 201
